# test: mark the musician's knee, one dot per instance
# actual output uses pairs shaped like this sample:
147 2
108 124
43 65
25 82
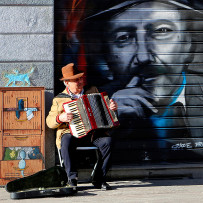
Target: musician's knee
66 140
108 141
103 143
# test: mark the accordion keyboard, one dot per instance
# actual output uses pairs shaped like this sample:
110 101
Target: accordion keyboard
77 126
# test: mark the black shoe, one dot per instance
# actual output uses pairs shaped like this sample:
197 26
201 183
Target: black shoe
97 185
106 186
72 183
103 186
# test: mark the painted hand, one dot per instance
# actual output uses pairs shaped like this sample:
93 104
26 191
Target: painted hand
133 102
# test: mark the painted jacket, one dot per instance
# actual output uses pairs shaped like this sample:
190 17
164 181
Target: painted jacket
57 108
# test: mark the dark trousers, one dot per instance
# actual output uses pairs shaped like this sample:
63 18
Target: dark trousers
68 151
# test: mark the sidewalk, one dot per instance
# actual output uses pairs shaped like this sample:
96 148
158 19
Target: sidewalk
136 191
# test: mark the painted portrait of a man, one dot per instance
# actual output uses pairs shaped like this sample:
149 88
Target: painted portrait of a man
147 55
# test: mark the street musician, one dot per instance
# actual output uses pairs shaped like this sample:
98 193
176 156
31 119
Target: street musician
58 119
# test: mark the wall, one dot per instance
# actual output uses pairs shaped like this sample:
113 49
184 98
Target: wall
148 57
27 51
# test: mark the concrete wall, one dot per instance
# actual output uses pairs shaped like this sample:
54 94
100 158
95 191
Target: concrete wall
27 47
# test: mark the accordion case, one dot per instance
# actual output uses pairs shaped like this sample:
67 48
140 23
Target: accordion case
90 112
45 183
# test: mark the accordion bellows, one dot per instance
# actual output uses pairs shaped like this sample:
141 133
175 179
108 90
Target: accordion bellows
90 112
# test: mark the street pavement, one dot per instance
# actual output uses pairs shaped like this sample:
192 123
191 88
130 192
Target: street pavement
179 190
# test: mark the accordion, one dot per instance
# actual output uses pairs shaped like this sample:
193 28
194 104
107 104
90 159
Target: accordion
90 112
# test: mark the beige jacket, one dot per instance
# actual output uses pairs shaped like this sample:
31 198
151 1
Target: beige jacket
57 108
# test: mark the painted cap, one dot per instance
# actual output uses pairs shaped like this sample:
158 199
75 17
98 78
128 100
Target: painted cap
95 8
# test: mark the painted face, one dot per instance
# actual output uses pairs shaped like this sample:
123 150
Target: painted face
75 85
149 40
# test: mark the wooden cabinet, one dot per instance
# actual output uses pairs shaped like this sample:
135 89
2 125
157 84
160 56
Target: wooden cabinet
22 132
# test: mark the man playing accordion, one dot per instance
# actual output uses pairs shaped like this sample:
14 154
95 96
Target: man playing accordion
57 118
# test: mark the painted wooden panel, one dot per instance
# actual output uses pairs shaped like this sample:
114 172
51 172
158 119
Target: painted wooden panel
10 169
22 138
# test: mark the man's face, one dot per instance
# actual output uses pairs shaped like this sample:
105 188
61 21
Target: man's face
75 85
149 40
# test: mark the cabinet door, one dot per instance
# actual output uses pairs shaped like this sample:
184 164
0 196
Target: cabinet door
10 169
16 120
19 141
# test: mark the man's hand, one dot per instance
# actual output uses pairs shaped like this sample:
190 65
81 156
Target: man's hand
66 117
113 105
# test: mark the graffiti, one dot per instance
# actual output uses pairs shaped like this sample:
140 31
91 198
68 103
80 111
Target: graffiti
199 144
22 154
15 153
180 146
29 111
145 55
22 163
187 145
17 79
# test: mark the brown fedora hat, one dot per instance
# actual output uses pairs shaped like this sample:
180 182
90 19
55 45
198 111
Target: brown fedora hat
70 72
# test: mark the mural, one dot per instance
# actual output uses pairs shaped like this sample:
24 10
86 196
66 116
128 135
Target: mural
22 154
17 78
147 55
